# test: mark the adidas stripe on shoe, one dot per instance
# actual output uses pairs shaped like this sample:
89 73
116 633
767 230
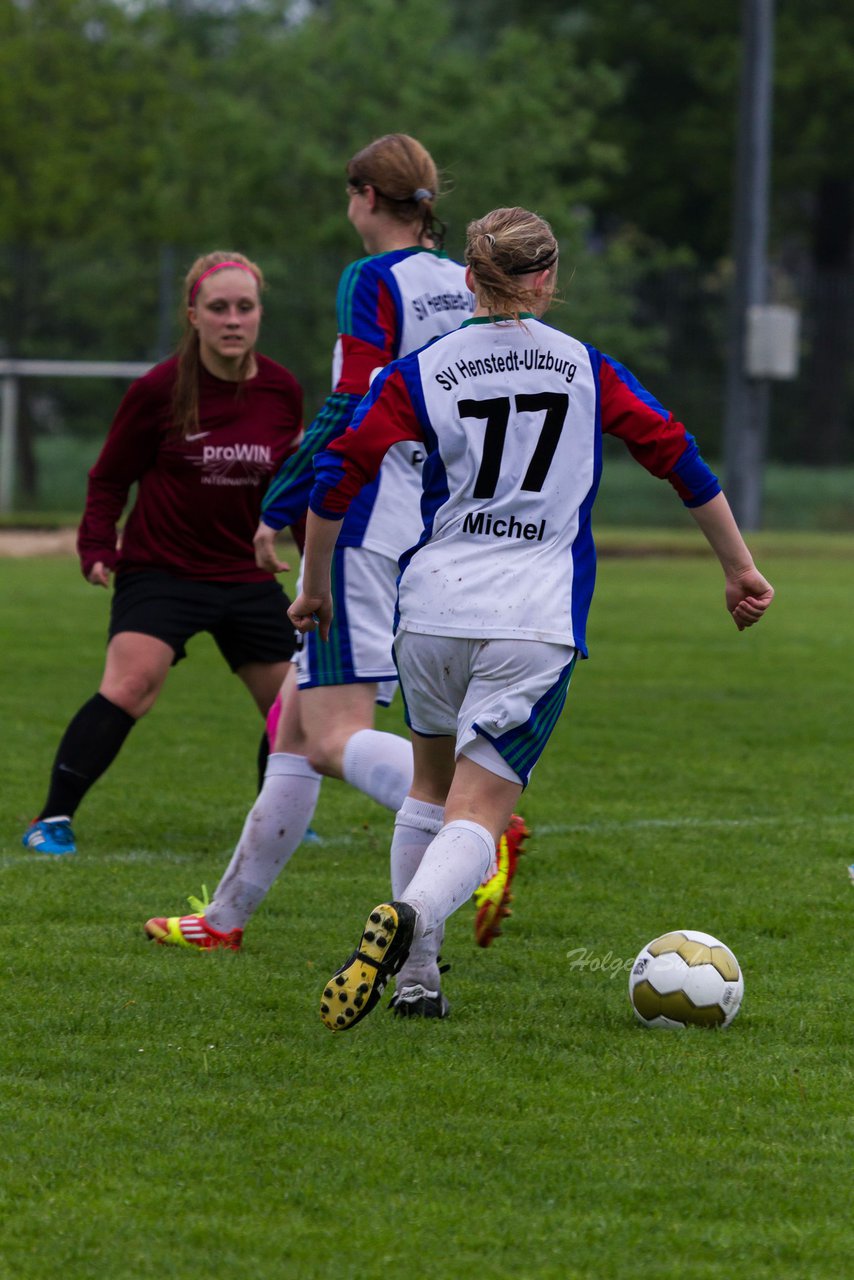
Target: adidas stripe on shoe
417 1002
191 931
49 835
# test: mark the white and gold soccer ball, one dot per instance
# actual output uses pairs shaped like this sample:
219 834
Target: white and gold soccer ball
686 979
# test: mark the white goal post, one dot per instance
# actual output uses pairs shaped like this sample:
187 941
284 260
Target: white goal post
12 370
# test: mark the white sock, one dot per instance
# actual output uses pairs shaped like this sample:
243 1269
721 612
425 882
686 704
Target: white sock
380 764
450 871
274 828
416 825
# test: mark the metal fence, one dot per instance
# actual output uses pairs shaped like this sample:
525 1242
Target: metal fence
75 326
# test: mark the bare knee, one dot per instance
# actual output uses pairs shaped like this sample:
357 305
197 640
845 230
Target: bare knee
134 691
137 665
325 754
328 718
325 746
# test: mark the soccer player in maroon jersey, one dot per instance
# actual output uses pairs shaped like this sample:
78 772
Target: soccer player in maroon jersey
201 435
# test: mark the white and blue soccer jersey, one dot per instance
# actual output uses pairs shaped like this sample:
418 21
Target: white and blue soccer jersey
511 417
388 305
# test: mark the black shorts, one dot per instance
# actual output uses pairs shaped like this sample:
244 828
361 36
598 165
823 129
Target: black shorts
248 620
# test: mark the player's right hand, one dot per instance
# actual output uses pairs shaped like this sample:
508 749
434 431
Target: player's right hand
748 595
99 574
312 613
265 550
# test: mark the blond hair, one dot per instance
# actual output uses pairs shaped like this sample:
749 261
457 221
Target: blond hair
404 178
185 395
502 248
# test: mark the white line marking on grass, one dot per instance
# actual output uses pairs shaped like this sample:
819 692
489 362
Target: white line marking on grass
143 856
332 842
640 824
161 857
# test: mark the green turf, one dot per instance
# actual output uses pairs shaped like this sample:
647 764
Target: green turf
793 497
167 1113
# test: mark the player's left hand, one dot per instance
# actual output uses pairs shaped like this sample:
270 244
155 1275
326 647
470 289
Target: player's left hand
312 613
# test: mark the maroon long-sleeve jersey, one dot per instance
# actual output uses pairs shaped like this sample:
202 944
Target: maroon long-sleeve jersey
199 497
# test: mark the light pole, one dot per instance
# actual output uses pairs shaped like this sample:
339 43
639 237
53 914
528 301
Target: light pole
747 389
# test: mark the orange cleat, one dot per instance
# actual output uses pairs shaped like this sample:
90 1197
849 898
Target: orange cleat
492 899
193 932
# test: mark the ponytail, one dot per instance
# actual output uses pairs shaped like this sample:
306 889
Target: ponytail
503 249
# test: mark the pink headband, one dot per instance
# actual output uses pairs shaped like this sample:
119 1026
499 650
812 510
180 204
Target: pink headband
220 266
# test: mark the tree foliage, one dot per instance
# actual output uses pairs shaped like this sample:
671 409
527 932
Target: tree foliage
136 126
136 133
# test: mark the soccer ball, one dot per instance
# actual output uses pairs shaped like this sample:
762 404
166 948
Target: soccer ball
686 979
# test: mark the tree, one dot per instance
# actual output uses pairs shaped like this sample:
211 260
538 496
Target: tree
676 123
139 135
198 125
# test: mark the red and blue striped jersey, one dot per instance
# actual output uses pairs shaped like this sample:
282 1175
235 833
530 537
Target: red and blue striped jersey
388 305
511 419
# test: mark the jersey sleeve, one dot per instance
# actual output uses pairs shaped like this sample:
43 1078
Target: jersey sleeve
286 500
369 311
129 450
385 417
653 436
368 336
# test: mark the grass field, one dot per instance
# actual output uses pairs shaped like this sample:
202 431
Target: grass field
794 497
167 1113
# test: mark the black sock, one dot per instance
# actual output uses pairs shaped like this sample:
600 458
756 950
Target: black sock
263 755
89 745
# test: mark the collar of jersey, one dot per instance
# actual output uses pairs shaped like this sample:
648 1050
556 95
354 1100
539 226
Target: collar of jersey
400 253
523 315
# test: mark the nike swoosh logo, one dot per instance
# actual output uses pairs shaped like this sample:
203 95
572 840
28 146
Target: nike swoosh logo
64 768
200 435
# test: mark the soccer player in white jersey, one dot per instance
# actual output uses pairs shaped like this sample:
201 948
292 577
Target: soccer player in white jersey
494 596
404 294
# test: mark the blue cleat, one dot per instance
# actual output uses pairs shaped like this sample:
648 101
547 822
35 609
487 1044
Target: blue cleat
49 835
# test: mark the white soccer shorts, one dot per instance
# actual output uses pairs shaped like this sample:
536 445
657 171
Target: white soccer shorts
364 594
500 699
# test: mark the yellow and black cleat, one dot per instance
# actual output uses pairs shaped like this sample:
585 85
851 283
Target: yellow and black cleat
355 988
